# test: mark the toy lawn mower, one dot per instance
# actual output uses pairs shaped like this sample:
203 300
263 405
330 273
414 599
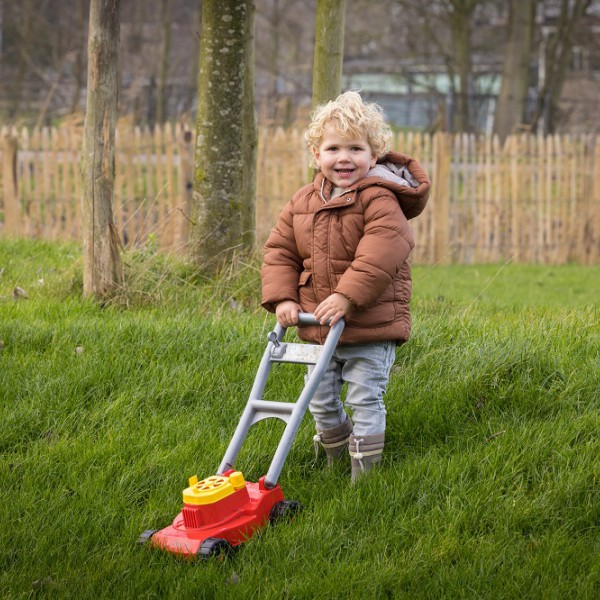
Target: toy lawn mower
222 511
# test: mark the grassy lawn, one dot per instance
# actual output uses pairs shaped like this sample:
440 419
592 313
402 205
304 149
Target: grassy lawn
490 485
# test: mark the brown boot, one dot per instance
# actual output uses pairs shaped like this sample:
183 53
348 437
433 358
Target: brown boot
334 441
365 453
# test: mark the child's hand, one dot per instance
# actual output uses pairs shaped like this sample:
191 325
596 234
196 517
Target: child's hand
287 313
334 308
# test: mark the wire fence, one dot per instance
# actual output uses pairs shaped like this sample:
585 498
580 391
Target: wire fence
531 199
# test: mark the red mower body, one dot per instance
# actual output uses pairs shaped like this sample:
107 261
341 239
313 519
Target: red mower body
220 507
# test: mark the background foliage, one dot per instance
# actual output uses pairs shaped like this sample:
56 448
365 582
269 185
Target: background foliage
399 55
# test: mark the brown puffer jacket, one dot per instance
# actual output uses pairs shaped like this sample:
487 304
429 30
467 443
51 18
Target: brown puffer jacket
356 244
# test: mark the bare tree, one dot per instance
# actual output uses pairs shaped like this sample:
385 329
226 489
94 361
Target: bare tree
443 38
516 72
192 88
163 70
102 269
249 136
22 21
218 211
557 44
329 50
284 58
460 16
79 51
273 57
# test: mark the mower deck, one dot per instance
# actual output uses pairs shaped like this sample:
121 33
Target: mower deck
218 511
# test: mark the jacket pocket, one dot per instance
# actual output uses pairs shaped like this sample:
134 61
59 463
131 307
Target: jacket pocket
304 278
306 293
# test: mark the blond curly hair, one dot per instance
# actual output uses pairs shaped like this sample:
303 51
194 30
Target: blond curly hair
351 117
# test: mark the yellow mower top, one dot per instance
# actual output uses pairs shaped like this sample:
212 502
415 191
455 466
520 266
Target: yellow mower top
212 489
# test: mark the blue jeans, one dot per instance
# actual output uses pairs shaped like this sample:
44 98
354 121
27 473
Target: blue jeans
365 368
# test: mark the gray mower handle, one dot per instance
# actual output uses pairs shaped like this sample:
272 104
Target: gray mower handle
290 412
306 319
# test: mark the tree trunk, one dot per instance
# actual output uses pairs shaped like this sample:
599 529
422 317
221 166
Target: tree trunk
557 54
102 269
329 50
219 215
163 72
512 99
25 42
274 59
460 17
79 66
250 138
192 91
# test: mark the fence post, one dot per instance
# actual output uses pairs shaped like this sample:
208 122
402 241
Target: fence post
12 220
185 139
441 196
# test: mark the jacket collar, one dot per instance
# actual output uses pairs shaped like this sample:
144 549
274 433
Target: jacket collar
412 200
326 190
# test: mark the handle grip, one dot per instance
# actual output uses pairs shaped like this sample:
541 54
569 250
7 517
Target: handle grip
306 319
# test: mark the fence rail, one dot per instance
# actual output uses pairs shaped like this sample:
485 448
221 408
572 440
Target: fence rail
531 199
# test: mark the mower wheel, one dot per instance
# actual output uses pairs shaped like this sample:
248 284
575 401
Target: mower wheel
145 536
284 509
214 548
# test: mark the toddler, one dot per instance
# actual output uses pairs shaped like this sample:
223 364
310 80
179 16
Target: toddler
340 248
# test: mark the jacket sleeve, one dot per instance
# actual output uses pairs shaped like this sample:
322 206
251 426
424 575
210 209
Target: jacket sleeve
385 246
282 265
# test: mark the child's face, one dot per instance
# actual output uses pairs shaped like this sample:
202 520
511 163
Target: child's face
343 160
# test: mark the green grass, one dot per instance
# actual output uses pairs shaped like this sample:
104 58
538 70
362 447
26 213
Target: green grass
490 484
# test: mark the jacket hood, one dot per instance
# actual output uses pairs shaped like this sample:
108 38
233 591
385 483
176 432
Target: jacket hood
398 173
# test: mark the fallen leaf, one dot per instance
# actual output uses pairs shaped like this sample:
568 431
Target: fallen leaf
234 578
40 583
19 293
495 435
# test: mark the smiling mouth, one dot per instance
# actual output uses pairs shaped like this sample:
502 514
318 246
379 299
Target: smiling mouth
344 171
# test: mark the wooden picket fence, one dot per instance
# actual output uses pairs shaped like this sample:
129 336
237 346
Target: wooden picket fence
531 199
153 183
